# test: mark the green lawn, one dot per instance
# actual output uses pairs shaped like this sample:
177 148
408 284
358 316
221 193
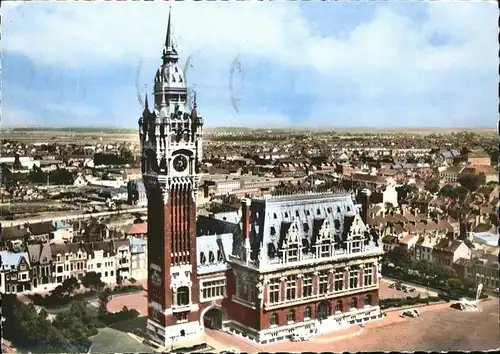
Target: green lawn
110 340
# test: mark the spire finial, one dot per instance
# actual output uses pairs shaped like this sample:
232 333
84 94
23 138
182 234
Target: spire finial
194 98
146 98
168 39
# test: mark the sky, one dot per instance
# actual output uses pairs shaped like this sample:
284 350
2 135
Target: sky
255 64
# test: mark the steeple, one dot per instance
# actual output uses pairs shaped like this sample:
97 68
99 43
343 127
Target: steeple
169 52
146 111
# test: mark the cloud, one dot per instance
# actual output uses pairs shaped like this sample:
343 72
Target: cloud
393 67
18 117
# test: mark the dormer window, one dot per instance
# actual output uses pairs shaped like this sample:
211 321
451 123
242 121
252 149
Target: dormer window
307 213
273 231
348 208
318 211
286 214
220 257
275 216
297 213
211 257
338 209
306 227
203 258
329 210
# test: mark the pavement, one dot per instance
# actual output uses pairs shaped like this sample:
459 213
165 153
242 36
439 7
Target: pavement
439 328
386 293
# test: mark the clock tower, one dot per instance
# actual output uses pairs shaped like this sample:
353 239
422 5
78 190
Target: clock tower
171 149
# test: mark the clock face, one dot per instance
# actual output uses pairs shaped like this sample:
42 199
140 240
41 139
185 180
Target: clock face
180 163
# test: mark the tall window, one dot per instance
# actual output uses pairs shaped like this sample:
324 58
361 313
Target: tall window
307 285
339 280
323 283
274 290
353 304
307 313
291 286
367 300
182 296
368 275
293 254
290 317
251 290
353 278
213 288
273 319
239 285
356 246
338 306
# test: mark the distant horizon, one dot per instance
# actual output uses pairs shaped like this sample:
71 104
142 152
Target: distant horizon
376 128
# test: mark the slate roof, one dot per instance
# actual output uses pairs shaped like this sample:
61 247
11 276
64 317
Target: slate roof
12 233
40 253
11 260
42 228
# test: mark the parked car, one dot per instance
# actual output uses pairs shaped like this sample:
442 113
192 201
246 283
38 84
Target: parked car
410 313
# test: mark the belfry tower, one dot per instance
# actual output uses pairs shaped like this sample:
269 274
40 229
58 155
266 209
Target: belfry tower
171 139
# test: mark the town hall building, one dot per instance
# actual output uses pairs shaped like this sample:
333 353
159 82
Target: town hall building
290 263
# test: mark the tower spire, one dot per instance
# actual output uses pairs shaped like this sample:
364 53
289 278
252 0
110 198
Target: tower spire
169 51
194 99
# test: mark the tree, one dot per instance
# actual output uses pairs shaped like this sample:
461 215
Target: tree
92 280
399 257
70 285
103 304
472 182
432 186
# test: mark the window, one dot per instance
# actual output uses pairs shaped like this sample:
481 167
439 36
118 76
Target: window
211 257
112 273
325 250
356 246
339 280
307 287
297 213
220 257
273 320
203 258
291 286
286 214
273 231
307 213
183 296
60 269
307 313
71 266
58 258
275 216
338 306
353 304
98 265
274 290
239 285
368 275
213 288
323 283
367 300
105 273
318 211
290 317
251 290
66 257
293 254
353 278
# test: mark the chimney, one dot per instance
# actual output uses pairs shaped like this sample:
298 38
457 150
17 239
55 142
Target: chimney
245 217
365 205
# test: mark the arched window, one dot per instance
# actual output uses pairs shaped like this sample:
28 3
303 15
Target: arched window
211 257
353 304
183 296
368 300
220 257
307 312
273 319
203 258
338 306
290 317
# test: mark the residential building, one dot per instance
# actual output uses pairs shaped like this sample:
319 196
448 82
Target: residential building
138 258
478 158
446 252
122 250
40 257
102 260
451 174
14 272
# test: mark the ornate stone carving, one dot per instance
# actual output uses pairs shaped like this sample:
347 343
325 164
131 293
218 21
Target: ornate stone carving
181 280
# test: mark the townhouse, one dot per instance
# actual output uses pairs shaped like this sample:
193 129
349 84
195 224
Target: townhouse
138 258
14 272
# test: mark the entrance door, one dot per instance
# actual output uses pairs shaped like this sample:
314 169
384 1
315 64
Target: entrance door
213 318
323 310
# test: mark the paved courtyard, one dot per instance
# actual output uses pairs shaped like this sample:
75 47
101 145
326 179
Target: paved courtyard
386 293
439 328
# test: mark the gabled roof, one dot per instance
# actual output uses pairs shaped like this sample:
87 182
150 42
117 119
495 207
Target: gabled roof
42 228
12 260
